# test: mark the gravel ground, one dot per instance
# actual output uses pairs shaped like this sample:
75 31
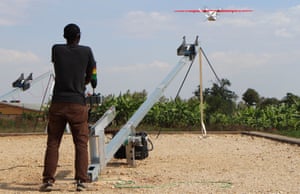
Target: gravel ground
179 163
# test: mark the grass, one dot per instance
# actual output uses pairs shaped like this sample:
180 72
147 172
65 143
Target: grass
21 126
290 133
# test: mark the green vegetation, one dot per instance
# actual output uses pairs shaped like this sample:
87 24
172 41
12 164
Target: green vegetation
164 114
26 123
221 112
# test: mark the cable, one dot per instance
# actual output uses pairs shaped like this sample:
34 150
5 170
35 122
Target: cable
211 67
179 90
43 99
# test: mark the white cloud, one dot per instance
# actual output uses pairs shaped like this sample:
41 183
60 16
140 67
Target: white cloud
283 24
234 62
295 10
162 66
239 20
14 57
136 77
283 32
13 11
143 24
279 19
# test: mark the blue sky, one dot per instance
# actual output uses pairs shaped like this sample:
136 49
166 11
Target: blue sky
134 43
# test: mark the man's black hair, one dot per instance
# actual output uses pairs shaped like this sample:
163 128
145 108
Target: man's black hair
71 32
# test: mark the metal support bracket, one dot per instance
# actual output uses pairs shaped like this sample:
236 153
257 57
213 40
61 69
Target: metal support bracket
97 144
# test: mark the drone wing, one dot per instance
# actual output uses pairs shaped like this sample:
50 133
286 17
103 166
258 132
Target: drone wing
232 10
213 10
191 10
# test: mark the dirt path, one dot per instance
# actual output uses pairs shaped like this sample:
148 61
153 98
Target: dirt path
180 163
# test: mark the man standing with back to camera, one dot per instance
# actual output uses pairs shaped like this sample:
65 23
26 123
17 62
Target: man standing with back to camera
74 67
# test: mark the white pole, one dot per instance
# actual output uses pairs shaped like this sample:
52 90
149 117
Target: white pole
203 129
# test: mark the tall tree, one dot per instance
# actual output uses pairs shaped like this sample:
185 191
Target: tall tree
251 97
264 102
219 99
290 99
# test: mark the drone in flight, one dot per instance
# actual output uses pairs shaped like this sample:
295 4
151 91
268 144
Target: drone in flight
211 14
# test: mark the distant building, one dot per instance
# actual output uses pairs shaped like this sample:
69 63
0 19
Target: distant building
15 109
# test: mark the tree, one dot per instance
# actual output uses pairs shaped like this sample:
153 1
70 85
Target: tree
264 102
290 99
251 97
219 99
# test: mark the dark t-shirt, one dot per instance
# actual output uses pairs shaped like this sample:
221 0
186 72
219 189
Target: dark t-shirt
73 65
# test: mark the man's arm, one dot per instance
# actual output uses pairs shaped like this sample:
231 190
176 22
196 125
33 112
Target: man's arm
94 78
91 73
